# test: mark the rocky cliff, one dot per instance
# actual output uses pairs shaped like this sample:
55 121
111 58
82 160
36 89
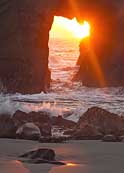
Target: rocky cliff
24 35
101 56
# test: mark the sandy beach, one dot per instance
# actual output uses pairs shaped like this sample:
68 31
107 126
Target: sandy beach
80 156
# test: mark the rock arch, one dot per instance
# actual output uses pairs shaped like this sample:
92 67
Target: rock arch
24 35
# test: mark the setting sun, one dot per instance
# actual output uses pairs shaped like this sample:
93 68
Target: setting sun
63 27
80 30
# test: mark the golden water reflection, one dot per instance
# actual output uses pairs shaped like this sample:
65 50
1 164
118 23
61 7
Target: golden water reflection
71 164
70 168
13 166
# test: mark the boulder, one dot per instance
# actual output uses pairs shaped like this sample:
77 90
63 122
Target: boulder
122 138
28 131
45 128
111 138
41 155
88 131
7 127
20 118
40 119
104 121
63 123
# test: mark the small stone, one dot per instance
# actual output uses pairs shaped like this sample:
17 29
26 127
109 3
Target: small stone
28 131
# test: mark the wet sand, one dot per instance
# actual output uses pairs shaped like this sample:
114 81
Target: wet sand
80 156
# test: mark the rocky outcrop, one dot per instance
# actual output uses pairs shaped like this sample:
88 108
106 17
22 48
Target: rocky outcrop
104 121
41 155
41 119
101 56
24 35
7 127
28 131
87 132
111 138
62 122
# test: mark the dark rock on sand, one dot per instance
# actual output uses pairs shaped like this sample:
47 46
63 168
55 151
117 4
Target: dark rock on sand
122 138
104 121
7 127
111 138
28 131
96 123
40 119
41 155
86 132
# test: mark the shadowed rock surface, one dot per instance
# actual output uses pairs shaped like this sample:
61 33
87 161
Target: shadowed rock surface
111 138
41 155
63 123
87 132
102 120
40 119
101 55
46 154
7 127
24 35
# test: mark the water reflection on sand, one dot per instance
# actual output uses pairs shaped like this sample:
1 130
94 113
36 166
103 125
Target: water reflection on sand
79 156
13 166
70 168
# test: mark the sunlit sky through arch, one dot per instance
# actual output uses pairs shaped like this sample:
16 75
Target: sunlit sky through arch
66 28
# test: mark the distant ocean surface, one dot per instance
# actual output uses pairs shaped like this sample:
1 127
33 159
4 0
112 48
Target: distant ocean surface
65 97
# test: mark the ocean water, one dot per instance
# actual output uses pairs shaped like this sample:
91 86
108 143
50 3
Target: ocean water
66 98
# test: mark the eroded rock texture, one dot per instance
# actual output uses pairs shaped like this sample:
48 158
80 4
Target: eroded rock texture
101 56
24 35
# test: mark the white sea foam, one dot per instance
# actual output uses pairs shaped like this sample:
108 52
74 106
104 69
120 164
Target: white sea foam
66 98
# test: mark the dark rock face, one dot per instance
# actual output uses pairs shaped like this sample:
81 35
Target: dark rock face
104 121
7 127
62 123
87 132
24 35
101 56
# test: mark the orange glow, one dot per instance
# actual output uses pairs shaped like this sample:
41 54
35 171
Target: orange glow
63 27
71 164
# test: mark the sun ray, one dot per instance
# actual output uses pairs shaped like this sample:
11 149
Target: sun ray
95 63
93 58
